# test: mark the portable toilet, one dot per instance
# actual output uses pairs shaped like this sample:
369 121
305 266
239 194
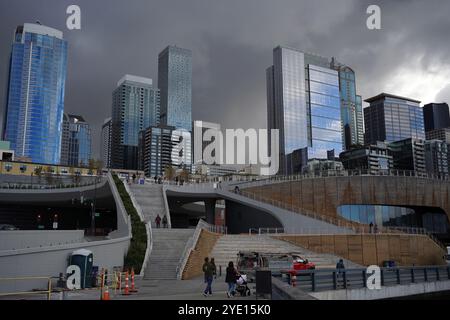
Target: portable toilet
84 259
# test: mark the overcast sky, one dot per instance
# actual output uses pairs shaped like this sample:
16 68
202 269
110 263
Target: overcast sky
232 42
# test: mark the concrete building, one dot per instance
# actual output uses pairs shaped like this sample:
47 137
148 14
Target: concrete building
155 150
35 95
372 157
437 157
6 154
105 143
321 165
393 118
439 134
135 108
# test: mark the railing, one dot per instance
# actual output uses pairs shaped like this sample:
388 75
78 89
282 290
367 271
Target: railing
338 173
40 186
352 227
192 242
332 279
48 281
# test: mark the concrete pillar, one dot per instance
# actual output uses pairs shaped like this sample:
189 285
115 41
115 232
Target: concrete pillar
210 207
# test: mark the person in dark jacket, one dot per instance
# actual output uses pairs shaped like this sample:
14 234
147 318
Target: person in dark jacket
230 279
208 271
158 221
164 221
214 268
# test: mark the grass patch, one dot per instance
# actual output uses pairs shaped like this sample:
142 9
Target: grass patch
138 245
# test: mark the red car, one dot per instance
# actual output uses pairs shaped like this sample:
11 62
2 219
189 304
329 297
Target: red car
302 264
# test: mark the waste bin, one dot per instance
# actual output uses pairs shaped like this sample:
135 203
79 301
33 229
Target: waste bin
263 280
84 259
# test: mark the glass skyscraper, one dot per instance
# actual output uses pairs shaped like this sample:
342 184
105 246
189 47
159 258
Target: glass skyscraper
76 142
105 143
175 83
303 102
392 118
351 106
136 106
436 116
35 96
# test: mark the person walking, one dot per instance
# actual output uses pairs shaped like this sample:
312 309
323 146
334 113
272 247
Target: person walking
164 221
230 279
158 221
371 227
208 271
214 268
340 268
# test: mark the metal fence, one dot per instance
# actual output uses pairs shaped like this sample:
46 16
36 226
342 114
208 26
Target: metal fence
331 279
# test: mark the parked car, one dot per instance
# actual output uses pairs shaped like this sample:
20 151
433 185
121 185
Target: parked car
7 227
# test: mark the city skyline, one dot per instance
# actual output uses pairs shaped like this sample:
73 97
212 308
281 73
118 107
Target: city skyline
416 65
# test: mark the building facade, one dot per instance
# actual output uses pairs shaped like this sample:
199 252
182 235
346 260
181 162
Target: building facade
409 155
439 134
35 96
392 118
105 143
437 157
76 148
155 150
303 102
351 106
436 116
374 158
135 107
175 83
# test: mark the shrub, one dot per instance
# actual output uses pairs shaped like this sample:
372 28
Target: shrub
138 245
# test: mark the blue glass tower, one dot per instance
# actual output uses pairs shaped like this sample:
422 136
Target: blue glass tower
76 142
35 98
136 107
303 103
175 83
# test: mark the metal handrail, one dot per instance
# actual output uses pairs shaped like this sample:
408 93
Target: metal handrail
354 278
48 292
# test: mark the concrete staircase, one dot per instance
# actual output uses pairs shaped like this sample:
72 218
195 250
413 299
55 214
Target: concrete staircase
168 246
228 246
150 198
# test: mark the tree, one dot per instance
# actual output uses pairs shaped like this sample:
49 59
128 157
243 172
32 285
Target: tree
91 166
184 175
169 172
49 174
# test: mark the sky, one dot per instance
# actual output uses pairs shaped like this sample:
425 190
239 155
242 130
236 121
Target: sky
232 43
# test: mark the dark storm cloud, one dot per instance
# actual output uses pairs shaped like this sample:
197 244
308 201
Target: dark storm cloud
232 44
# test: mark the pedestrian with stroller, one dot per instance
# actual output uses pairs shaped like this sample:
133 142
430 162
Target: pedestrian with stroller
208 271
230 279
158 221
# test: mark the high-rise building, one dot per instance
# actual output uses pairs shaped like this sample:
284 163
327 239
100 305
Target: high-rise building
204 127
35 96
351 106
76 141
175 83
437 157
409 155
439 134
436 116
135 107
155 150
392 118
303 102
373 158
105 143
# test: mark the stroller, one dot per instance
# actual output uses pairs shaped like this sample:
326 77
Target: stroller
241 285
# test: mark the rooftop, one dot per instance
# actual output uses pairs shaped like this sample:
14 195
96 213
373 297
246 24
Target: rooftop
388 95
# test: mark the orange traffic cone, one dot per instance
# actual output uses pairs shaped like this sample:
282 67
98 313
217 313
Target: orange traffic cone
126 290
133 288
106 294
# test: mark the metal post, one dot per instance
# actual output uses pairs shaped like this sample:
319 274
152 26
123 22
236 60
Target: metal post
364 276
345 279
334 280
382 277
313 281
425 274
412 275
398 276
437 274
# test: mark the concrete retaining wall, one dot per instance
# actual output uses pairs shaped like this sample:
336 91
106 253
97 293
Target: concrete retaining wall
22 239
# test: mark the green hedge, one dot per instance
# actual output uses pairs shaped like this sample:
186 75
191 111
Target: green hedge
138 245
